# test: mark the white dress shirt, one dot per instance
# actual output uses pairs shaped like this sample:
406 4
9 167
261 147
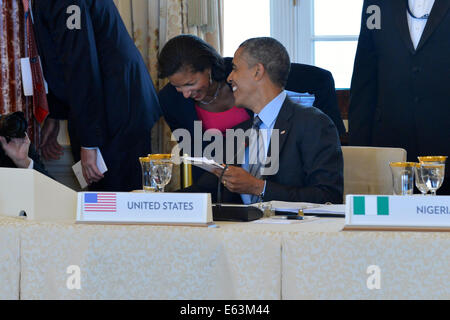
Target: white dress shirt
268 116
416 26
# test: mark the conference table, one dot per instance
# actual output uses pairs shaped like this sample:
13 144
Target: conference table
268 259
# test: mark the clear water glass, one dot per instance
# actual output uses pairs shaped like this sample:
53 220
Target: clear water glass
433 176
147 185
161 173
437 173
420 179
402 177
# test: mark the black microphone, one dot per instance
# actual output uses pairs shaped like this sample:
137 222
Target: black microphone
233 212
219 187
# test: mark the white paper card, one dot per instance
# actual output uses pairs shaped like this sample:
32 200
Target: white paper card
333 209
27 78
149 207
397 211
202 162
77 169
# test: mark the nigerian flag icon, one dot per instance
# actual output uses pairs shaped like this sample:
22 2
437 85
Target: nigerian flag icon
371 205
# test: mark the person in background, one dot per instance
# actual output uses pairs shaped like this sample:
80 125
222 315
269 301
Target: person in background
97 80
19 153
400 93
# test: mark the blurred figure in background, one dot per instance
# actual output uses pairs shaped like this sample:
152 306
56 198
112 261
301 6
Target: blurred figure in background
98 81
400 93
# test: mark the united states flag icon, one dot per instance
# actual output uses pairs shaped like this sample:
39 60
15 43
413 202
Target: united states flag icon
100 202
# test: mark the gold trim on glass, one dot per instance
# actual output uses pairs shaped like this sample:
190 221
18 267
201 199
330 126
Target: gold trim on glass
144 159
402 164
432 159
159 156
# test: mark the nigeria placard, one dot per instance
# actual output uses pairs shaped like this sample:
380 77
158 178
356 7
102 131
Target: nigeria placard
402 212
144 208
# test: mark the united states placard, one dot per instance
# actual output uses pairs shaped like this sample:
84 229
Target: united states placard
100 202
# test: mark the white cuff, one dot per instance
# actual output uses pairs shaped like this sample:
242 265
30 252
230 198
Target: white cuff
31 164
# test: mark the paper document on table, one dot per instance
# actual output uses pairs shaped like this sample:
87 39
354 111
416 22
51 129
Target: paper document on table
77 169
327 209
202 162
290 207
283 220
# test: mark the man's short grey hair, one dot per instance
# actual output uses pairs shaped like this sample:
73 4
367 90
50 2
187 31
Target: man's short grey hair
272 55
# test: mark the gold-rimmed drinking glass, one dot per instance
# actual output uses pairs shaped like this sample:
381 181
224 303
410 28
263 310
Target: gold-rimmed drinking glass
402 177
161 170
435 171
146 175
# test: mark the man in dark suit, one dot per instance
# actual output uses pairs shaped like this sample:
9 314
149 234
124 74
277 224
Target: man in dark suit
98 81
400 87
309 158
19 153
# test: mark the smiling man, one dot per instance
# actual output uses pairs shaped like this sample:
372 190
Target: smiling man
310 167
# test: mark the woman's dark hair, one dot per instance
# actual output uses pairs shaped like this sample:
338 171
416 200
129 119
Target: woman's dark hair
191 52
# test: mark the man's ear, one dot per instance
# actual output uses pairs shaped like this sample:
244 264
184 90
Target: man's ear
259 71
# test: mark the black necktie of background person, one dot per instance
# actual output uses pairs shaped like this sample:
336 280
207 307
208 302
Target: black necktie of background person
424 17
224 212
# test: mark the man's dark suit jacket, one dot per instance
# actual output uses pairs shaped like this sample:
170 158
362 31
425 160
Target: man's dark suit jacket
310 160
98 81
6 162
400 96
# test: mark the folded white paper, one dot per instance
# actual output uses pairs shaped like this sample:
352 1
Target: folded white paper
293 207
77 169
27 78
334 209
202 162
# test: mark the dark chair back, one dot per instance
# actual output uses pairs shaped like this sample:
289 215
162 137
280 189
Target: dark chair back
314 80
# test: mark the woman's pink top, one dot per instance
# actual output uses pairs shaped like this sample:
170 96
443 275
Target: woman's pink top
221 120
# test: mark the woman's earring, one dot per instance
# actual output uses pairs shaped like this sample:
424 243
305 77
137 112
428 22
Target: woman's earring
210 78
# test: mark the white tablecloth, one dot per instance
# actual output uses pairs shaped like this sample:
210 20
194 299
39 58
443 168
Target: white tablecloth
305 260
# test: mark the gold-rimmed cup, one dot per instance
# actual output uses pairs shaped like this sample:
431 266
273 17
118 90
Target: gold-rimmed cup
403 177
161 170
146 175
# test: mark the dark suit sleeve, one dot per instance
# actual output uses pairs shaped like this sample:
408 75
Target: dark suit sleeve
37 163
78 54
57 108
363 92
168 102
319 146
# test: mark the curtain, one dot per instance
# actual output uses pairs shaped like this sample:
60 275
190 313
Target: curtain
151 23
12 48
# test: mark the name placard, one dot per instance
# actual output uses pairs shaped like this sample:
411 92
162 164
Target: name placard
397 212
144 208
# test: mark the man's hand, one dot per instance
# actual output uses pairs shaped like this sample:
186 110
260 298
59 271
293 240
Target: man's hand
240 181
89 164
50 148
17 150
